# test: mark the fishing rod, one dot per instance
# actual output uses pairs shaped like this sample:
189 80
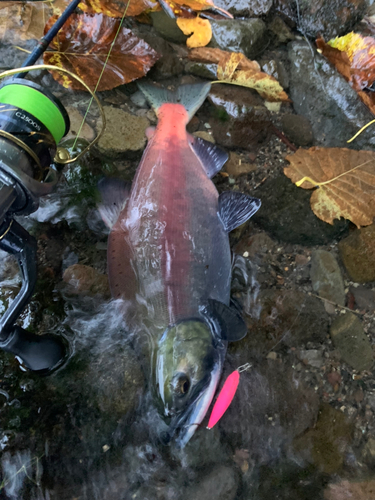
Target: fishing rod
32 123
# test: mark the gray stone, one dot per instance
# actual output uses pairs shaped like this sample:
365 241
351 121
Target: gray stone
350 490
202 70
364 297
326 277
245 8
221 483
247 36
124 134
278 71
281 30
286 214
298 129
311 357
327 100
352 342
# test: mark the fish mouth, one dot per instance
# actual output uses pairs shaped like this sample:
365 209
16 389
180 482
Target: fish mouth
183 425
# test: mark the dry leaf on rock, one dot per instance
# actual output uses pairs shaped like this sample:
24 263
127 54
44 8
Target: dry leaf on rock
116 8
199 29
82 47
267 86
345 180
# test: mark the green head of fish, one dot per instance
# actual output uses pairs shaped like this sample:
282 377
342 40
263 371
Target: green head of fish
188 367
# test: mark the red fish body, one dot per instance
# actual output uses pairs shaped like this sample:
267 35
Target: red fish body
169 259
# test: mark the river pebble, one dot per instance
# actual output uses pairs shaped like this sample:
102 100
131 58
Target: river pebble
350 490
357 252
352 342
326 277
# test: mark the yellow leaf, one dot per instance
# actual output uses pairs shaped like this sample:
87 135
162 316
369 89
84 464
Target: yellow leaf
267 86
199 29
345 181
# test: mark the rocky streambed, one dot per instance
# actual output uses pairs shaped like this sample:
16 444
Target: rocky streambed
302 424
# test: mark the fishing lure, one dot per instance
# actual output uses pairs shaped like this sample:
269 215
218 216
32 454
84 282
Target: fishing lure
226 395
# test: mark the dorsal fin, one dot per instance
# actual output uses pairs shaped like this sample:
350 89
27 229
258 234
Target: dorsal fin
236 208
114 195
211 156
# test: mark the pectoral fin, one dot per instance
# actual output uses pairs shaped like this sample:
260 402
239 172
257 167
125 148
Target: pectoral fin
114 194
211 156
227 322
236 208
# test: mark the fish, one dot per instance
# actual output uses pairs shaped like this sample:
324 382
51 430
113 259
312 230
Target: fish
169 258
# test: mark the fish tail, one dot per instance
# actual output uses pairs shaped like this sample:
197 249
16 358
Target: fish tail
191 96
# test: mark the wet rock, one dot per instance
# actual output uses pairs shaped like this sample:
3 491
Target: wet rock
239 117
9 270
364 298
221 483
298 129
124 134
330 19
244 8
286 214
247 36
85 279
368 452
278 71
167 27
281 30
204 135
325 98
202 70
325 444
86 132
326 277
352 342
347 490
235 166
358 254
286 318
311 357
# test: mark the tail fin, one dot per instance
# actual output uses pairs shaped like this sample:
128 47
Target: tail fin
191 96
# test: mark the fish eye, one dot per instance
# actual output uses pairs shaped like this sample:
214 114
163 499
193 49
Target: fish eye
181 384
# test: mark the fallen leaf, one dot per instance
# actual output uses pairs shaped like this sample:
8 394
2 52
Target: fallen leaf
199 29
196 4
22 21
209 55
267 86
82 47
345 181
116 8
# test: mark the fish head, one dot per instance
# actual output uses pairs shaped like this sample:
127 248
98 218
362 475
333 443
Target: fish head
189 361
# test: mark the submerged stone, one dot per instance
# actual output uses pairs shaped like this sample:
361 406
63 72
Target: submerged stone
286 214
221 483
244 8
326 277
358 254
353 344
350 490
85 279
298 129
326 443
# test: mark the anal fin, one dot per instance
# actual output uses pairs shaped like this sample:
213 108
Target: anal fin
236 208
211 156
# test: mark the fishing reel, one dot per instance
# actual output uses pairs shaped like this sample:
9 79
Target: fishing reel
32 123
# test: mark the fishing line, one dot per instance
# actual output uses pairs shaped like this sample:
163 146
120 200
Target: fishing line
101 73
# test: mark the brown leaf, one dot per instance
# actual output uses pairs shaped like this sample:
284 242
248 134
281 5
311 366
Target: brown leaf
199 29
116 8
196 4
82 47
345 180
